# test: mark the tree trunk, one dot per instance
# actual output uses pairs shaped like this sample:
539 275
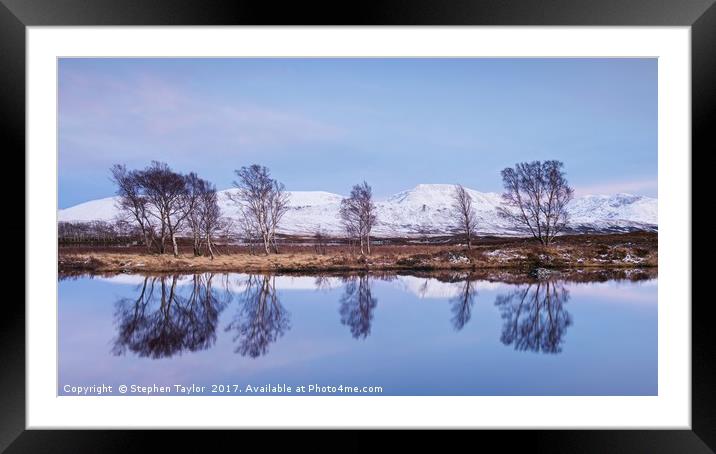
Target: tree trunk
367 240
208 246
273 240
147 241
266 243
274 244
175 248
162 248
197 246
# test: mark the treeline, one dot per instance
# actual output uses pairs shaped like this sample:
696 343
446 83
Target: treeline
162 204
158 204
96 232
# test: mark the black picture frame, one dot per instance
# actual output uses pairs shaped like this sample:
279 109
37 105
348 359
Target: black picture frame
700 15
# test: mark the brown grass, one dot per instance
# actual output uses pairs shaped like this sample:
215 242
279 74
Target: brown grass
633 250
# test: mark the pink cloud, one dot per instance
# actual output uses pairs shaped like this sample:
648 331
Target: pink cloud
111 109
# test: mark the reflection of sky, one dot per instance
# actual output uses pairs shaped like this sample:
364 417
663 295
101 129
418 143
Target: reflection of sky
412 348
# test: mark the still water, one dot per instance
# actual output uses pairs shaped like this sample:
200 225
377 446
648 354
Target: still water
239 334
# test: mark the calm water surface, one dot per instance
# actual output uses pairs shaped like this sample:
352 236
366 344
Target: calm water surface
408 335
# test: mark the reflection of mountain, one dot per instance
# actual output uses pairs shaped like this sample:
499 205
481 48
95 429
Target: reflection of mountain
423 287
357 305
534 317
166 319
261 319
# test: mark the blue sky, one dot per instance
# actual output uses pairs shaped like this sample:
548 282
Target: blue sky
325 124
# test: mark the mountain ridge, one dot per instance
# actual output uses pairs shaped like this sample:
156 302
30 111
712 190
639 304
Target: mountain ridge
422 210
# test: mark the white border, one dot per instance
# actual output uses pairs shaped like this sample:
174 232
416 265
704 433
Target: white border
670 409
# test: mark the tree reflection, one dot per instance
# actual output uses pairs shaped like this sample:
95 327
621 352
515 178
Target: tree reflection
167 318
261 319
461 304
357 305
322 282
534 317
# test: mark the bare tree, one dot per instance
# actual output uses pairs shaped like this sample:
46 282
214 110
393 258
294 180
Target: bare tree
368 212
536 197
247 231
358 215
203 214
320 241
351 220
166 193
210 220
278 206
164 203
262 201
132 203
463 213
195 187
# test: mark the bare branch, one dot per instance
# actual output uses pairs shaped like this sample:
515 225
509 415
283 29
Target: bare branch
463 213
536 197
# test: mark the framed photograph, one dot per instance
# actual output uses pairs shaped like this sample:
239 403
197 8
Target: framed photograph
473 216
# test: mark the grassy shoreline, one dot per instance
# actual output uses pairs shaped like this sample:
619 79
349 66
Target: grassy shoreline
618 251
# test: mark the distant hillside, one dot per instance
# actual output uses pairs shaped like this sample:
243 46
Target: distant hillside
422 210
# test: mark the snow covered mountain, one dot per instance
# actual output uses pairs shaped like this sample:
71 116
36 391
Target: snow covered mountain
422 210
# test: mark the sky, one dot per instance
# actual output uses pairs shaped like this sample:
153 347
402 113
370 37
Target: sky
326 124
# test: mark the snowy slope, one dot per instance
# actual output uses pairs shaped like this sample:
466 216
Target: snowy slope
94 210
421 210
620 210
426 209
308 210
